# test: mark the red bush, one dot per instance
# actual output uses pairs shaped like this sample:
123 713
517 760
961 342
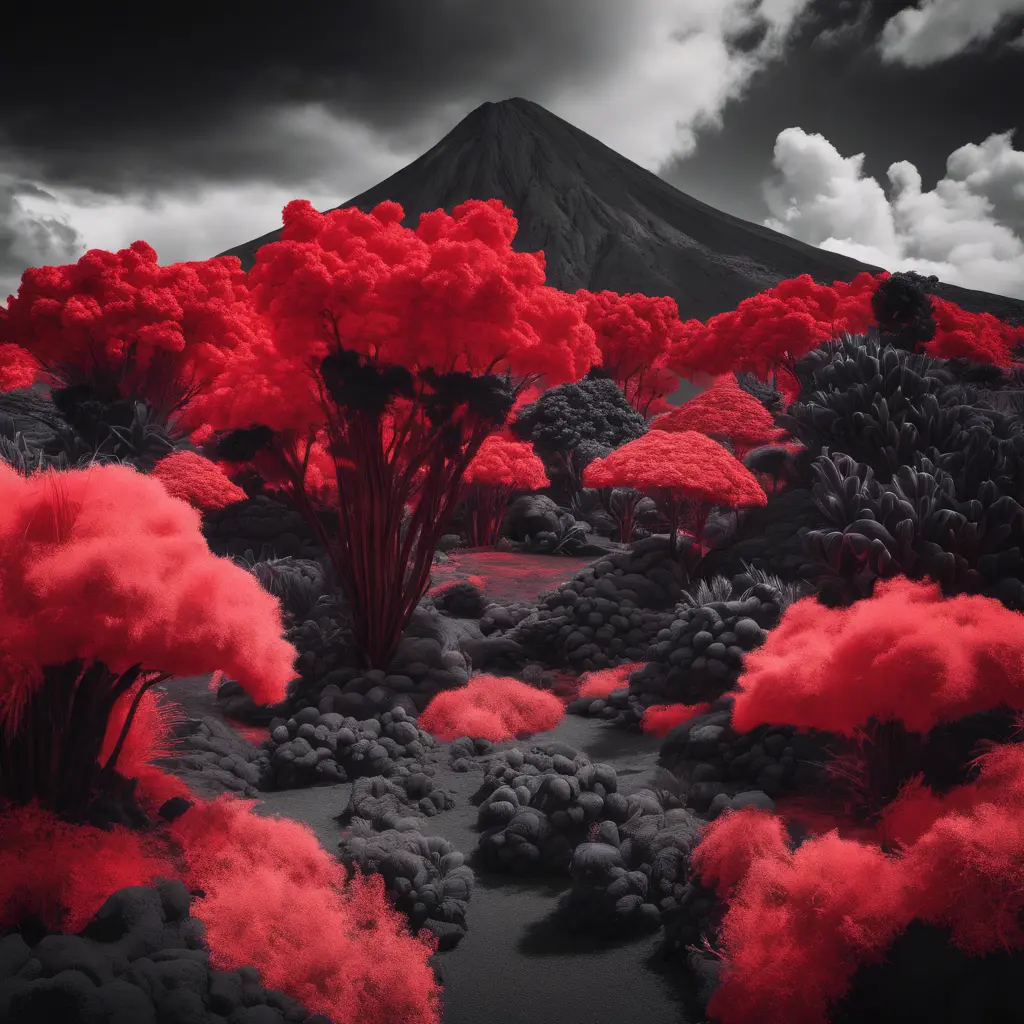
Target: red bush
727 410
905 653
17 368
980 337
600 683
774 328
200 482
395 312
634 333
681 467
661 719
64 873
276 899
495 708
105 581
499 469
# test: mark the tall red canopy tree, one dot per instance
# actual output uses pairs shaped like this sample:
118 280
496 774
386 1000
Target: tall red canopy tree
724 410
106 582
634 333
402 350
681 468
128 328
775 328
499 469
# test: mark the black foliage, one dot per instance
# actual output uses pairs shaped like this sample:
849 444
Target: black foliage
761 390
243 444
567 416
488 397
357 384
903 309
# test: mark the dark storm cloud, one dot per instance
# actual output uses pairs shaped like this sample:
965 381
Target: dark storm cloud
192 93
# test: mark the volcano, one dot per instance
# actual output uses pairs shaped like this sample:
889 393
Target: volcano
605 222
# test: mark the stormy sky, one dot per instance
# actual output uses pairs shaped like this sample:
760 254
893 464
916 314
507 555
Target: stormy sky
886 130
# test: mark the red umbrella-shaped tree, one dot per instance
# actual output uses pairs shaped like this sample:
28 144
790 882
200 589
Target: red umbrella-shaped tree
724 410
402 350
500 468
682 468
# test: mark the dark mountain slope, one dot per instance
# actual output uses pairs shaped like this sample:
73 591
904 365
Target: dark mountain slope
605 222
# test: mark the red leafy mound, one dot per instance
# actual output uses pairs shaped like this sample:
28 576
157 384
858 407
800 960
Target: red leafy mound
724 409
980 337
905 653
504 462
634 333
660 719
200 482
101 564
277 900
774 328
120 319
601 682
495 708
64 873
17 368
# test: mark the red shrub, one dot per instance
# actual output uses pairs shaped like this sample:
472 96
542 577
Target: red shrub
660 719
496 708
64 873
17 368
200 482
601 683
731 843
277 900
980 337
905 653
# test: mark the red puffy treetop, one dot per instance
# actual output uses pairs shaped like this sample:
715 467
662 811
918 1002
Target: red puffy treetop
634 333
724 408
451 295
980 337
905 653
504 462
200 482
688 463
88 314
101 564
774 327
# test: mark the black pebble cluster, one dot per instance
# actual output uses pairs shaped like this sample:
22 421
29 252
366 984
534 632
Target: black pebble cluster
141 960
427 879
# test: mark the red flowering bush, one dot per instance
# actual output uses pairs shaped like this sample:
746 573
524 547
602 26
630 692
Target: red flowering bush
679 467
724 410
634 333
774 328
129 328
495 708
500 468
105 581
401 350
980 337
200 482
276 899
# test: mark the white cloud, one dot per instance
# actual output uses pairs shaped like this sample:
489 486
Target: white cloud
962 230
936 30
677 74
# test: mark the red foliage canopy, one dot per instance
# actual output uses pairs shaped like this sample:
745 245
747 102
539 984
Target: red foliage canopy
634 333
726 409
101 564
120 320
687 463
906 653
505 462
200 482
775 327
980 337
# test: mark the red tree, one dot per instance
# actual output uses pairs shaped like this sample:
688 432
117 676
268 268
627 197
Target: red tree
724 410
499 469
774 328
684 467
402 350
106 584
129 328
634 334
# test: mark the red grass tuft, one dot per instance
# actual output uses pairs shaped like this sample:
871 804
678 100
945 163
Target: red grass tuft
496 708
660 719
600 683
